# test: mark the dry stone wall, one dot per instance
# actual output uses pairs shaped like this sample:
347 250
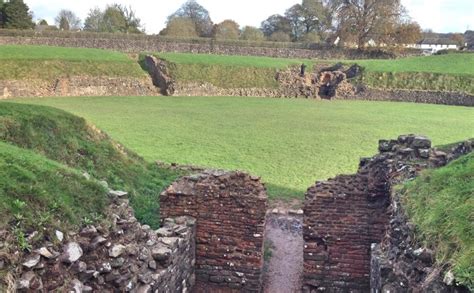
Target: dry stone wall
230 211
151 45
78 86
344 216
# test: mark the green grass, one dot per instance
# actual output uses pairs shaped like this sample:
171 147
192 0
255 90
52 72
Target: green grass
49 63
240 61
69 140
22 52
37 194
290 143
441 205
445 64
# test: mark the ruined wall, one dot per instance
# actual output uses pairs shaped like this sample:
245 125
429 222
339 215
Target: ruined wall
119 255
344 216
78 86
400 263
230 211
157 45
412 96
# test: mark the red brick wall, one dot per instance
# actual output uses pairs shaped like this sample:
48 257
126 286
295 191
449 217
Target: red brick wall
344 216
230 211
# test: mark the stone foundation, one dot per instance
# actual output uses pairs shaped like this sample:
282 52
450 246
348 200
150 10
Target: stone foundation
230 211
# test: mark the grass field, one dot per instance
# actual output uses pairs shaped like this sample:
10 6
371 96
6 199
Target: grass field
290 143
43 62
241 61
446 64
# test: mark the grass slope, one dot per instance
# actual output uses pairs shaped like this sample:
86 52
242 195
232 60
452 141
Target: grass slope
43 62
68 139
441 205
290 143
445 64
37 194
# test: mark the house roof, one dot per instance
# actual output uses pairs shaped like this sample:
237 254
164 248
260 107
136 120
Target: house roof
437 41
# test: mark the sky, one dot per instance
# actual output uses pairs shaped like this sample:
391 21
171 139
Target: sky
439 15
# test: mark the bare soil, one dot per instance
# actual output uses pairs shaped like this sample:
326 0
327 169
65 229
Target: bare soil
284 268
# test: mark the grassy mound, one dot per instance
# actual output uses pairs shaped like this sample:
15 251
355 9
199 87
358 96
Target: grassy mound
228 71
69 140
47 63
290 143
441 205
451 72
37 194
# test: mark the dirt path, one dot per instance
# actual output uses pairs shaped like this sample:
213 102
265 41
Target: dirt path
284 269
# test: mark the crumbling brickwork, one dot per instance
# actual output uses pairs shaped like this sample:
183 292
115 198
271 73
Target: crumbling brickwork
230 211
344 216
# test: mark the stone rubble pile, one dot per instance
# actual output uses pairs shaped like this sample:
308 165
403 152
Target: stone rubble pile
120 255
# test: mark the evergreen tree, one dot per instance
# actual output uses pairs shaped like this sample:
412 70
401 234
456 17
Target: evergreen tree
16 15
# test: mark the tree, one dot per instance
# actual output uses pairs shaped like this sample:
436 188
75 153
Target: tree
1 13
181 27
16 15
367 19
250 33
115 18
312 16
459 39
407 33
198 15
94 19
280 36
227 30
43 22
276 23
67 20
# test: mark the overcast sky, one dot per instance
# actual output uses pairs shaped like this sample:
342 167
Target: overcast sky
439 15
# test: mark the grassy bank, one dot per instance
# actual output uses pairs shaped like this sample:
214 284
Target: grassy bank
37 194
69 140
290 143
441 205
48 63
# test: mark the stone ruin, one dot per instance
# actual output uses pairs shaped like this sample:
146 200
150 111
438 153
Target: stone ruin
348 216
356 237
322 83
230 210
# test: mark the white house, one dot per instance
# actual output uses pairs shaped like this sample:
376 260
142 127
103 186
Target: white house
437 44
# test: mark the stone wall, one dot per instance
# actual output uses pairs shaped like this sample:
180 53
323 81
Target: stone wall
119 255
412 96
230 211
344 216
78 86
156 45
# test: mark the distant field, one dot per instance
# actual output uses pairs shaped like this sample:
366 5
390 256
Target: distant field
290 143
43 62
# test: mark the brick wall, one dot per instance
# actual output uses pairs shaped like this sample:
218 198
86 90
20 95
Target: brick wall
230 211
345 215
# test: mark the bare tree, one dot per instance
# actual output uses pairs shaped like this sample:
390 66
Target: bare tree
367 19
67 20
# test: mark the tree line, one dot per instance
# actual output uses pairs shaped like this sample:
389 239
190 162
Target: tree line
357 22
